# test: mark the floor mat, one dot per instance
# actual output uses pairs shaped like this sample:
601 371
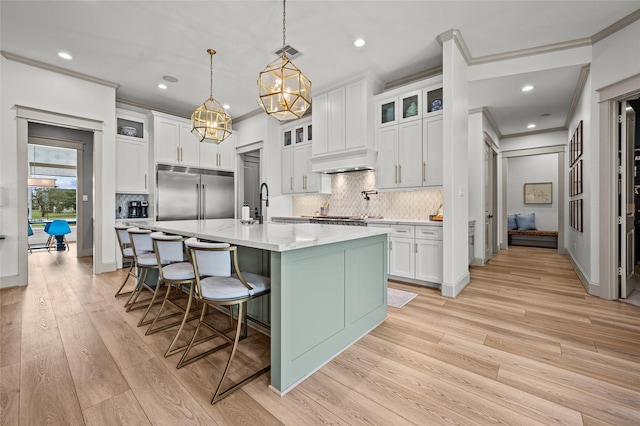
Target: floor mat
399 298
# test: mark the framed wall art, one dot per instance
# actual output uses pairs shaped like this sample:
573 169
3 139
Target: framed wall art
538 193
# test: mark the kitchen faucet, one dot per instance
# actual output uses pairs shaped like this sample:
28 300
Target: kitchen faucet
260 217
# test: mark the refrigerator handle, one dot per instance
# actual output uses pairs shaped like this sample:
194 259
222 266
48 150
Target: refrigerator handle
198 203
204 202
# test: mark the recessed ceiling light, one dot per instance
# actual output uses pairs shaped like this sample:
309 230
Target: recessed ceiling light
170 78
162 86
531 126
225 106
65 55
545 115
359 42
527 88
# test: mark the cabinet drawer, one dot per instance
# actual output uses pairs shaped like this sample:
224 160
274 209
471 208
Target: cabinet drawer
429 232
402 231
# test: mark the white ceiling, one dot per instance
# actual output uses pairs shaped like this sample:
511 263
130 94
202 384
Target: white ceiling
136 43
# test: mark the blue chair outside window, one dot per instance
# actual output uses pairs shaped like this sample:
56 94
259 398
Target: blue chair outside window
58 229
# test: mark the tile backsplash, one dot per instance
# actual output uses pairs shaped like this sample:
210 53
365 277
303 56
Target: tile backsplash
346 199
122 203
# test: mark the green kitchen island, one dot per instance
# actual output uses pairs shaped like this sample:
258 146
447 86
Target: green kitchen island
328 285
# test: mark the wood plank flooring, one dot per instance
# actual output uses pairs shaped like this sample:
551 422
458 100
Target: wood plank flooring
523 344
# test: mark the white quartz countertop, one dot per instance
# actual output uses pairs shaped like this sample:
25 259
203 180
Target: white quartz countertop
268 236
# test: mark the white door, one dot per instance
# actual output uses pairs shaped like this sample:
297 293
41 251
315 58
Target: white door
387 173
402 257
410 154
429 262
489 201
626 207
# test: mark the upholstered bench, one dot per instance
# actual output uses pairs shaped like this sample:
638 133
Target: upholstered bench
533 238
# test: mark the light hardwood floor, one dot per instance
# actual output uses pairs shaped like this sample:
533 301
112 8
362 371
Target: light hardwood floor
523 344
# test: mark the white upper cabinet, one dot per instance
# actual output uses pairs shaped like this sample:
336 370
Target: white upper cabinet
219 156
432 155
132 153
175 144
409 136
342 118
398 109
297 177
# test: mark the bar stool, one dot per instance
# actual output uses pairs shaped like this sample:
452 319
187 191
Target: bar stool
217 286
175 271
124 242
191 291
145 260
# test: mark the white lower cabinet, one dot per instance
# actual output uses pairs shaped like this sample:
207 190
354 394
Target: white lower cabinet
402 257
415 253
429 254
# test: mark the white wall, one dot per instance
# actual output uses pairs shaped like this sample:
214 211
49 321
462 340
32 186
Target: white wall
455 178
48 91
578 244
264 128
534 169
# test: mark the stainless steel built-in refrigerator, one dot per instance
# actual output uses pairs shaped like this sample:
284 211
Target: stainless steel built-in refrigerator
188 193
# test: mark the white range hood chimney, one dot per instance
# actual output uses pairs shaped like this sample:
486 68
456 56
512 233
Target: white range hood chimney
345 161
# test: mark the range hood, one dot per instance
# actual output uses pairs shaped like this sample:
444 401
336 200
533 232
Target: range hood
344 161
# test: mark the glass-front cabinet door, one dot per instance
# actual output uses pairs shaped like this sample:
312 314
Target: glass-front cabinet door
411 106
286 138
387 112
432 100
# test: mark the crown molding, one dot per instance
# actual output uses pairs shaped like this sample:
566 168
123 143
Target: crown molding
54 68
535 132
616 26
582 80
456 36
487 114
538 50
150 108
413 77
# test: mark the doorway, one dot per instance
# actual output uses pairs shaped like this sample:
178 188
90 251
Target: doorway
629 197
64 152
490 198
53 188
251 180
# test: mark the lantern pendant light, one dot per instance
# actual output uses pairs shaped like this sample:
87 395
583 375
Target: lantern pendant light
210 121
284 92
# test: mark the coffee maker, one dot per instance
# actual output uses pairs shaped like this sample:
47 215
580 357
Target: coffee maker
134 209
144 209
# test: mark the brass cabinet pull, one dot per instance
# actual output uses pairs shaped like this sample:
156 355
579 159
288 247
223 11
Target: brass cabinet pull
424 171
390 245
416 247
291 182
400 230
396 177
145 181
400 174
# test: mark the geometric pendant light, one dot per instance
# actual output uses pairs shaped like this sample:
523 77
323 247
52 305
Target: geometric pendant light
284 92
210 121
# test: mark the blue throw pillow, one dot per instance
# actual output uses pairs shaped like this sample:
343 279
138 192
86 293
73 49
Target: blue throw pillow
526 221
511 222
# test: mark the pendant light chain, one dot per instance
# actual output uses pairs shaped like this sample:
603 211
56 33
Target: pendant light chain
284 24
210 75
